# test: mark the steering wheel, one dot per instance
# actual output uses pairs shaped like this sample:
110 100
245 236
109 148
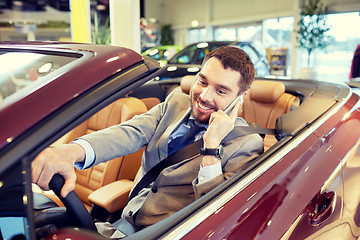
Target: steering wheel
74 206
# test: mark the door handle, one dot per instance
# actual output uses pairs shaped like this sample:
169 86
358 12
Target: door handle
321 207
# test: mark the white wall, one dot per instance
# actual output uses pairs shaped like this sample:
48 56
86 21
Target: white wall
155 9
249 10
338 6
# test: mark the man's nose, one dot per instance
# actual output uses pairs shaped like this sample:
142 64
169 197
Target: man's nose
206 94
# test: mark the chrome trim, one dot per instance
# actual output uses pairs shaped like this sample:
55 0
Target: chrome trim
189 224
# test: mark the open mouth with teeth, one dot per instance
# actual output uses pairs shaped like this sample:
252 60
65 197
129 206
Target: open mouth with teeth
204 108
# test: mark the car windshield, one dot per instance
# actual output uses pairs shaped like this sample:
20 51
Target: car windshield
23 69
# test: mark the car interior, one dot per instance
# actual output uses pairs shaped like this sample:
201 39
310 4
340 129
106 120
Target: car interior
104 188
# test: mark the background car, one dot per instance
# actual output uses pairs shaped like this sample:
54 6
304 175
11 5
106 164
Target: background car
188 61
60 4
304 185
3 4
104 4
38 4
162 53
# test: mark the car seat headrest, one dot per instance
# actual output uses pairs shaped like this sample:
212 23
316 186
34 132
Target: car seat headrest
266 91
186 83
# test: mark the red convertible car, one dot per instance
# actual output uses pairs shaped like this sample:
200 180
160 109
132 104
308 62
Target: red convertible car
304 185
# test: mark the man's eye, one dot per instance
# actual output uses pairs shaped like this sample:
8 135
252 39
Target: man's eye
221 92
202 83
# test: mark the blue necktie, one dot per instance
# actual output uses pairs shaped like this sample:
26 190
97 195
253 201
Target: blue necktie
182 141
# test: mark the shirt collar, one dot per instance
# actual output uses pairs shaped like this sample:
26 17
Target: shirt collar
191 120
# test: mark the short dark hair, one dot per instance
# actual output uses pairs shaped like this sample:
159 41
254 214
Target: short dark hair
235 58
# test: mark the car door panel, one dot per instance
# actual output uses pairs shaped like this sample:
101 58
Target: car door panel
306 178
344 140
278 196
344 135
321 218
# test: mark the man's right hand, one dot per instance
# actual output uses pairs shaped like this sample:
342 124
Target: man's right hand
60 159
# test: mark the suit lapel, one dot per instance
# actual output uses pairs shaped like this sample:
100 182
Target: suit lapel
163 143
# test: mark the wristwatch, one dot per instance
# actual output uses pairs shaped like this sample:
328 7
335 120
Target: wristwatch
217 152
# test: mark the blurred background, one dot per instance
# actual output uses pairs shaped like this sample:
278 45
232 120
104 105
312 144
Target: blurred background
167 26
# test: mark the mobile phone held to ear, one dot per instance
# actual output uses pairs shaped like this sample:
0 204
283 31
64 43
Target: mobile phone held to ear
231 106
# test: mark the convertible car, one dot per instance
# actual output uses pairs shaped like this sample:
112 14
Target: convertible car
303 186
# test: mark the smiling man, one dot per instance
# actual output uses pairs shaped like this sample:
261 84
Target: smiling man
211 108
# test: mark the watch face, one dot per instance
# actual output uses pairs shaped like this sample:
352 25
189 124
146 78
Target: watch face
220 152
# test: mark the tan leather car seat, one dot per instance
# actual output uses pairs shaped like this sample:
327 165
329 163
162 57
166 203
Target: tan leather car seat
185 84
264 102
126 167
150 102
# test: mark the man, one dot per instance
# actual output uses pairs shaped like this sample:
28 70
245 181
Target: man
227 72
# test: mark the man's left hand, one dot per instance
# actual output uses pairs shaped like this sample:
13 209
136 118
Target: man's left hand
220 124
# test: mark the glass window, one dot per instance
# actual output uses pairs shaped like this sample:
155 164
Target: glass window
334 63
196 35
278 31
260 62
21 69
225 34
250 33
277 41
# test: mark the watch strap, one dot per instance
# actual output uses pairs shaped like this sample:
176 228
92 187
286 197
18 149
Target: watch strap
217 152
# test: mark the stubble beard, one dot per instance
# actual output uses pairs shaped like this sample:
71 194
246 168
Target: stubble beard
198 116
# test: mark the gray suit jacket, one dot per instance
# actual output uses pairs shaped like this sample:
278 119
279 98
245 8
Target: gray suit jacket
177 185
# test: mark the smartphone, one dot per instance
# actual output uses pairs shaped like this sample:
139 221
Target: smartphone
231 106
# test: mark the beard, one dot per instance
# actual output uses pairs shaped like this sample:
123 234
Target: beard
199 116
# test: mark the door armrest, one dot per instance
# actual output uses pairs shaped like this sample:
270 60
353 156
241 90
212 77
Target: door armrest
112 196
